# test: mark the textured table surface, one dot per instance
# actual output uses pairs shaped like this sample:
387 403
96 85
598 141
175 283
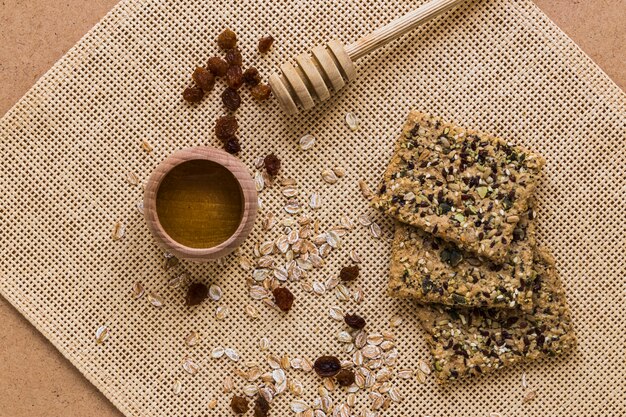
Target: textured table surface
36 379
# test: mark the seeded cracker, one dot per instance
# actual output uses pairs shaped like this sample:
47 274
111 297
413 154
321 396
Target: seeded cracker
431 270
466 342
463 186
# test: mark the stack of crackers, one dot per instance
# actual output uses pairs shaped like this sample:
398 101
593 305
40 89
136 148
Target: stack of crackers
465 248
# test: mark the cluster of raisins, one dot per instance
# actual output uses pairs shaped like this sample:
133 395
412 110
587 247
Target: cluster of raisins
229 67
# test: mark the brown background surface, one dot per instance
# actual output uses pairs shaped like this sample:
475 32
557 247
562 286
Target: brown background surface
35 378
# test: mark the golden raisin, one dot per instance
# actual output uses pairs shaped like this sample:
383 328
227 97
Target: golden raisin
234 77
239 404
232 146
354 321
261 92
251 76
283 298
204 79
217 66
226 127
233 57
345 378
193 94
227 39
327 366
349 273
265 43
231 99
272 164
196 294
261 407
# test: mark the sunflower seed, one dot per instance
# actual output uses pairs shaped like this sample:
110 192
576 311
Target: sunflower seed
252 311
264 343
299 406
424 367
293 207
192 339
329 176
259 181
336 313
220 312
365 190
119 230
307 142
339 172
138 290
146 146
190 366
375 230
215 292
315 201
228 384
102 334
177 387
132 178
155 299
290 191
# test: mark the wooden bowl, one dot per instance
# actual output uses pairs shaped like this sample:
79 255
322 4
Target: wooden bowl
249 203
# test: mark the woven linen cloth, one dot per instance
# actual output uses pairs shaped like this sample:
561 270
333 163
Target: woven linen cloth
499 66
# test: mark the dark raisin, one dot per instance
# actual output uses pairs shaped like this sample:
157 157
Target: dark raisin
226 128
231 99
327 366
234 58
283 298
217 66
227 39
193 94
251 76
349 273
196 294
265 43
354 321
272 164
234 77
204 79
261 407
261 92
232 146
345 378
239 404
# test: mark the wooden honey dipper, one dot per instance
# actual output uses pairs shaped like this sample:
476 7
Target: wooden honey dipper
332 65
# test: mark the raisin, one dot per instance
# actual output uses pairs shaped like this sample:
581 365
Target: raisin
272 164
239 404
265 43
345 377
349 273
196 294
261 92
261 407
231 99
232 146
283 298
226 127
227 39
217 66
233 57
251 76
193 94
234 77
327 366
204 79
354 321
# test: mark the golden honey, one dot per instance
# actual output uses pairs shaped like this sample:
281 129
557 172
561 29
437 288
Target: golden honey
199 204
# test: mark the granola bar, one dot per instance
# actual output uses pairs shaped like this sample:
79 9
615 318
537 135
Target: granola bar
463 186
466 342
431 270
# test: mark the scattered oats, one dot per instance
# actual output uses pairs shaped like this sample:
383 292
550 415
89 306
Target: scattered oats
306 286
258 293
329 384
228 384
273 362
361 339
220 312
405 373
252 311
269 221
364 220
250 390
217 352
192 339
140 207
280 274
424 367
344 337
282 387
524 384
315 201
371 352
245 263
132 178
351 399
212 403
354 256
265 262
359 380
374 339
177 387
375 230
332 282
377 401
299 406
388 335
264 343
333 240
259 274
259 161
346 223
319 288
348 347
336 313
358 295
119 230
387 345
293 236
395 395
232 354
295 387
353 121
329 176
339 172
530 395
421 377
155 299
290 191
190 366
259 181
267 393
215 292
102 334
307 365
146 146
365 190
293 206
138 290
395 321
278 375
307 142
342 293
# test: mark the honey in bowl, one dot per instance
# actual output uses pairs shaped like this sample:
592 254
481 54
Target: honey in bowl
199 204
